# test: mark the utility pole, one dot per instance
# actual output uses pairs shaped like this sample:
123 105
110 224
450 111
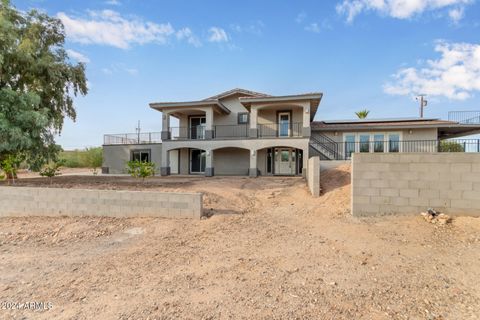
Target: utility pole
137 130
423 103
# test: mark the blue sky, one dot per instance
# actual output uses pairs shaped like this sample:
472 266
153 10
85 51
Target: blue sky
373 54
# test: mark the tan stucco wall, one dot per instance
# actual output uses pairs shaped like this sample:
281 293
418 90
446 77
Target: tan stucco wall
115 157
413 182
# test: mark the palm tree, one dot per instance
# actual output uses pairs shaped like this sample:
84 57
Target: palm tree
362 114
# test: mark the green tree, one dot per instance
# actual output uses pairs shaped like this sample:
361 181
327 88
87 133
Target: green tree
37 84
362 114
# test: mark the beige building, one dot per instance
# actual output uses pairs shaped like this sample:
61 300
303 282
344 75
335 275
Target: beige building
241 132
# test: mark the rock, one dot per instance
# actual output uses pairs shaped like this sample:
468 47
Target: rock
443 219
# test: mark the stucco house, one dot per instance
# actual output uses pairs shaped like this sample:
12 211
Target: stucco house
242 132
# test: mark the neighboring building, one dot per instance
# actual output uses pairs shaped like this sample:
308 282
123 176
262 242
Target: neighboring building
241 132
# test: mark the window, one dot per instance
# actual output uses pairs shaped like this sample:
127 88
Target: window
349 145
372 142
269 160
364 143
141 155
243 118
393 142
378 143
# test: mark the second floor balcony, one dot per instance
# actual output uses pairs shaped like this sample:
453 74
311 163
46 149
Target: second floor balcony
240 131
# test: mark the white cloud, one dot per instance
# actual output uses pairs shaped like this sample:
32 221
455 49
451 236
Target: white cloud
255 28
115 68
132 71
300 17
108 27
400 9
313 27
456 14
113 2
217 35
77 56
455 75
187 34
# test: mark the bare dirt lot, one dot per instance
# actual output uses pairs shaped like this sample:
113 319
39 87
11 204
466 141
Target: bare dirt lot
267 251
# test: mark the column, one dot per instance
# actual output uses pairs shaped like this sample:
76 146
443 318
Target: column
165 126
306 129
209 124
305 161
209 170
253 171
165 165
253 132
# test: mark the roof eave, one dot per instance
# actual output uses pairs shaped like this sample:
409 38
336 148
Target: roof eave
159 106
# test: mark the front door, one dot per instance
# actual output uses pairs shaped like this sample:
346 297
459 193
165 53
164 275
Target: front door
285 162
284 124
197 127
197 161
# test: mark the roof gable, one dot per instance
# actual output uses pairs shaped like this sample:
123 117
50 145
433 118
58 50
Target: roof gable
237 91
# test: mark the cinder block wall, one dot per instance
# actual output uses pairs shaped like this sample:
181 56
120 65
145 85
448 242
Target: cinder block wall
411 183
26 201
313 176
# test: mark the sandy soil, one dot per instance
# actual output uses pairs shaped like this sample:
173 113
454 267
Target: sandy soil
268 251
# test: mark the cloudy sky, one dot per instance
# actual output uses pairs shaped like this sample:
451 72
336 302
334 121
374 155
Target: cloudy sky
373 54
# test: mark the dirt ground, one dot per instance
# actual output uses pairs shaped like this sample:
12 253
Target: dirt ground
267 251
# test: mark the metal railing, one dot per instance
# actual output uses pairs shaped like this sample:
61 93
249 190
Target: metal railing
344 150
280 130
465 117
187 133
230 131
240 131
133 138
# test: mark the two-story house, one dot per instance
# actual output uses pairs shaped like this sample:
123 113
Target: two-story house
241 132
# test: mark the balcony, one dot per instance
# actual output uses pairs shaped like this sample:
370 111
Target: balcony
132 138
241 131
219 132
464 117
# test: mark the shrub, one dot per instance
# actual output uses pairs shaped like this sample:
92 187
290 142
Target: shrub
451 146
10 166
88 158
51 170
140 169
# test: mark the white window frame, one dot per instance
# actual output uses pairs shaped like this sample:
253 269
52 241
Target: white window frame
372 142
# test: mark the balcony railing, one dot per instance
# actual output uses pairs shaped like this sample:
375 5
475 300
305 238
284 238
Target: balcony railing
187 133
230 131
240 131
133 138
465 117
344 150
280 130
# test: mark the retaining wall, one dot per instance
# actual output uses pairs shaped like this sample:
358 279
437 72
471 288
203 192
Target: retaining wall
413 182
26 201
313 175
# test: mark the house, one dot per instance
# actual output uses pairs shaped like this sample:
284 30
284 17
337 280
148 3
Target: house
242 132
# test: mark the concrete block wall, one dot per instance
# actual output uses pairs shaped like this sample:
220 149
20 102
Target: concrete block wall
413 182
313 176
27 201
